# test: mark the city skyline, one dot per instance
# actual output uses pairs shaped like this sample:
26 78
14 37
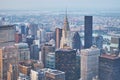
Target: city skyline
58 5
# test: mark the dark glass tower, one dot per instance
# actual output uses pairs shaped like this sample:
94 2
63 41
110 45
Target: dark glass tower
76 42
65 60
88 32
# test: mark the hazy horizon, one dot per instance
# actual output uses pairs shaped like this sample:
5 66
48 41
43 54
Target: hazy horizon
60 5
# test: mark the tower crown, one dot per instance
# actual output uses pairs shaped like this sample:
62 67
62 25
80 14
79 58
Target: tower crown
66 23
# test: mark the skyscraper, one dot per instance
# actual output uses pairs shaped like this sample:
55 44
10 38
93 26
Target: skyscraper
34 52
89 63
65 60
109 67
88 32
47 48
66 35
58 35
76 42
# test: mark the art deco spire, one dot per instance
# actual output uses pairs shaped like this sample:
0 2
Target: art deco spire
66 23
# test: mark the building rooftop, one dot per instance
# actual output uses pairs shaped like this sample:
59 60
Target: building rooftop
113 56
6 26
52 71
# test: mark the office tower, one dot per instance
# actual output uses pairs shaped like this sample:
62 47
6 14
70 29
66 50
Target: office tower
34 52
76 42
23 51
98 41
47 48
50 60
7 35
65 60
58 35
27 30
115 43
23 29
89 63
88 32
33 29
8 55
109 67
66 35
41 35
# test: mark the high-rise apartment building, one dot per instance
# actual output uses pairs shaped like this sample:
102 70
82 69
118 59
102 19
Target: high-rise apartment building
88 31
89 63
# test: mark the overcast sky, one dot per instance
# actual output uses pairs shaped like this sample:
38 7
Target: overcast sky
60 5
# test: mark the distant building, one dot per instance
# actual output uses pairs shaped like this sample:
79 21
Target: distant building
33 29
23 51
47 48
65 60
58 35
88 31
109 67
34 52
41 35
115 43
89 63
98 41
7 35
76 42
49 36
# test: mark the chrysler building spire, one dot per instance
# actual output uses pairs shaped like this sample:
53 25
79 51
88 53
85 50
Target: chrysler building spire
66 36
66 23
